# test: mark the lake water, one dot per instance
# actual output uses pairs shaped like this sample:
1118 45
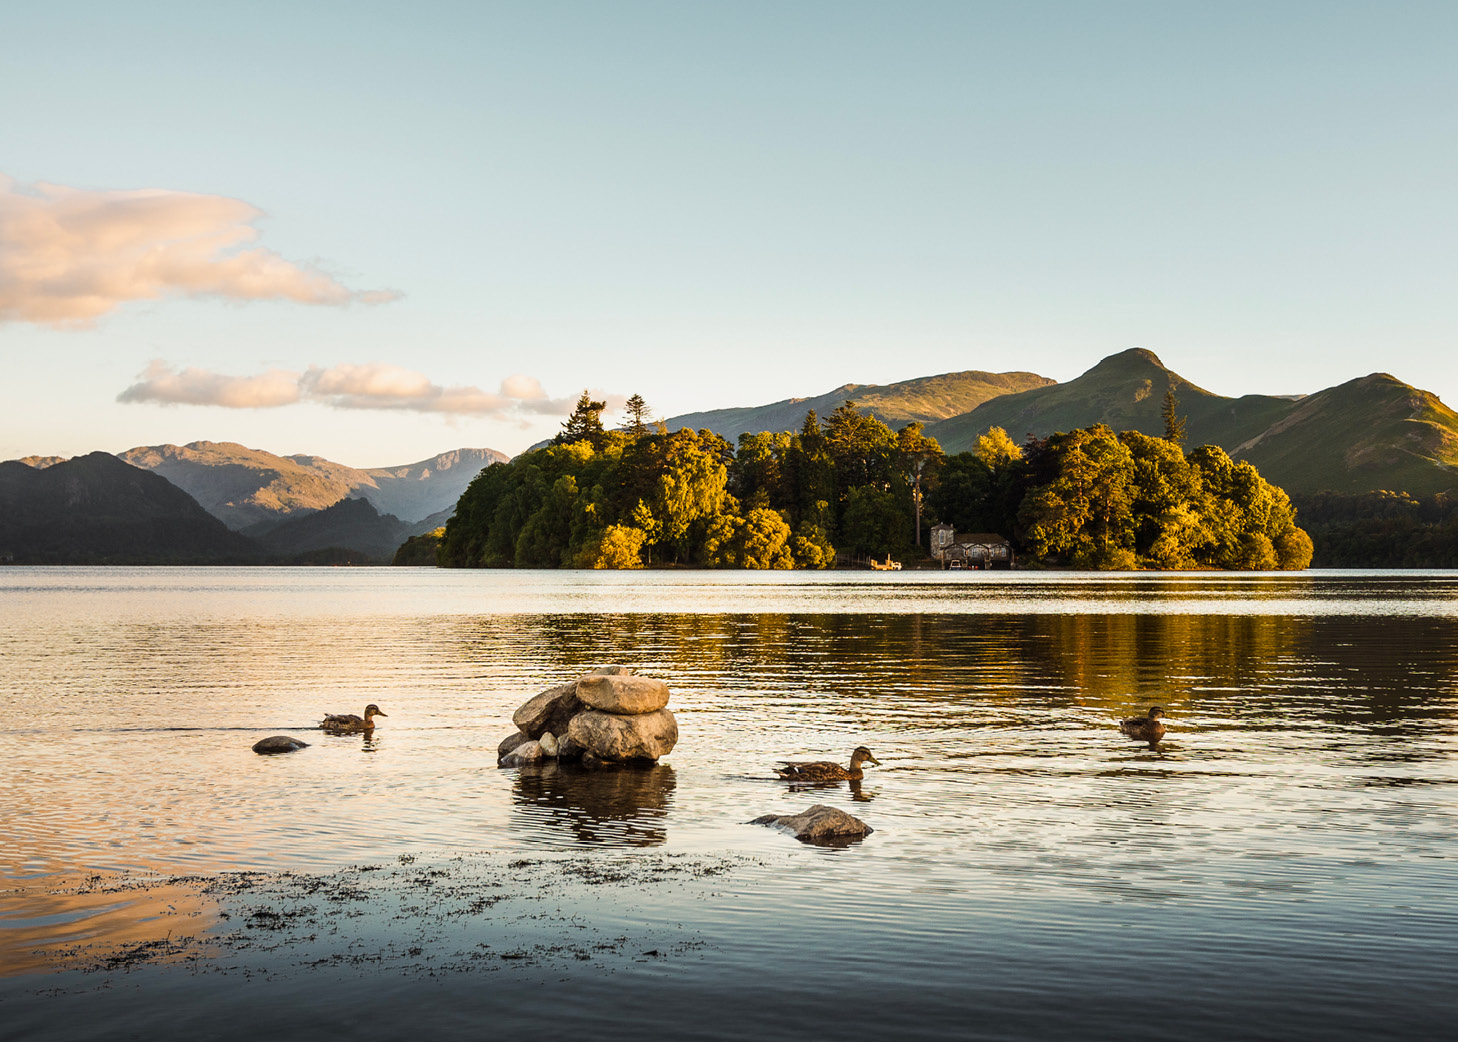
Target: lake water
1283 865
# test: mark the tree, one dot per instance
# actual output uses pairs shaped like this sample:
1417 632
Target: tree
619 546
919 457
1085 512
637 413
1174 425
585 423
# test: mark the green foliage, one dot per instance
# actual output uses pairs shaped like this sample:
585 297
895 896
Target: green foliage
1089 498
419 551
1382 529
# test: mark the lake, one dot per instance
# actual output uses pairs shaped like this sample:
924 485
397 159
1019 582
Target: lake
1283 865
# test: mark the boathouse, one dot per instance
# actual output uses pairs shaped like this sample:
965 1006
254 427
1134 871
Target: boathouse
955 549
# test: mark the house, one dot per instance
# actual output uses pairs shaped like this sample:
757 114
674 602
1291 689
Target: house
970 549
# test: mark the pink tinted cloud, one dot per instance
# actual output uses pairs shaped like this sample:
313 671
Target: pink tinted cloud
371 385
70 255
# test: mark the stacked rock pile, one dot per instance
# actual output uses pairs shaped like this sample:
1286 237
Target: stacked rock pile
607 716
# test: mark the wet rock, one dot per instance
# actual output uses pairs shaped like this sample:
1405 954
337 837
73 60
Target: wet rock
817 824
625 695
509 743
523 755
608 736
549 744
279 743
549 711
567 749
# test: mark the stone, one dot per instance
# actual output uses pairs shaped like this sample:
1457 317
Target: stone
625 695
522 755
509 743
548 742
818 823
646 736
279 743
567 749
549 711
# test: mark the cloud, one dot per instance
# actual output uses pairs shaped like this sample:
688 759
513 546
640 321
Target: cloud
161 383
70 255
372 385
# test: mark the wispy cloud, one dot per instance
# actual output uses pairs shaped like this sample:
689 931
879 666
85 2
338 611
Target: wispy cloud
372 385
70 255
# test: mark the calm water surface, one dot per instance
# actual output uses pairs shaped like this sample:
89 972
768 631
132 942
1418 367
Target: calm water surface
1281 866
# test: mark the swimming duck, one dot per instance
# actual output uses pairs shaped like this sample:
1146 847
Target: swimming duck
825 770
345 722
1149 727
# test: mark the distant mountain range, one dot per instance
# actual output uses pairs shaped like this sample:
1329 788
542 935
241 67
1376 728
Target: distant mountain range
251 490
926 400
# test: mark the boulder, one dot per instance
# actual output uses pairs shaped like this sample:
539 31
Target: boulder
567 749
526 753
510 742
549 711
279 743
625 695
549 744
818 823
610 671
608 736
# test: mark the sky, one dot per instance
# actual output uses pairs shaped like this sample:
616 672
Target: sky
376 232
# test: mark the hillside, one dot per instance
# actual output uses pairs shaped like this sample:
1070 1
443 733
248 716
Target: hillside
250 488
352 524
1125 391
927 399
1372 433
96 509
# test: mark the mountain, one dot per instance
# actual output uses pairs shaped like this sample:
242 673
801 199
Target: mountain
927 400
1372 433
96 509
352 524
1125 391
250 488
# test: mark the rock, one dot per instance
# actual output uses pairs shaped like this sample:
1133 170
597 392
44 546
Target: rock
818 823
626 695
567 749
646 736
591 762
522 755
279 743
509 743
549 711
548 742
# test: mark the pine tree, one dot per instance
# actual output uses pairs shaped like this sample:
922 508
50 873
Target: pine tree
1174 425
637 411
585 423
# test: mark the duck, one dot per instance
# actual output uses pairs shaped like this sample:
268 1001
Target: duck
345 722
1148 727
825 770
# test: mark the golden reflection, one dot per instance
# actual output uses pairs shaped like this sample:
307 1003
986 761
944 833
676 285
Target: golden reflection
55 922
613 806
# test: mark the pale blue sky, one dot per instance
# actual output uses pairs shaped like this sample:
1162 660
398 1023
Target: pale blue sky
728 204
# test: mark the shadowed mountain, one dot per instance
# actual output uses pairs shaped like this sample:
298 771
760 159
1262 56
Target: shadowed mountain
1372 433
245 487
927 399
96 509
352 524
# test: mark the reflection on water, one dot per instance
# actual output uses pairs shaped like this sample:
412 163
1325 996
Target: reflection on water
1302 800
625 806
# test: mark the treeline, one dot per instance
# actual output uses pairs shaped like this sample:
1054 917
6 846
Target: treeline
852 486
1382 529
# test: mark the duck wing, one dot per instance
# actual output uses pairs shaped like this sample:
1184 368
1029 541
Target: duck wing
808 769
342 720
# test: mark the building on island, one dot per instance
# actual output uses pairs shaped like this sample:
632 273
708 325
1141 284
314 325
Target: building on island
955 549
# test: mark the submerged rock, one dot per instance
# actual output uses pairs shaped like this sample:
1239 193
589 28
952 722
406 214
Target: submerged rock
609 736
818 823
625 695
526 753
279 743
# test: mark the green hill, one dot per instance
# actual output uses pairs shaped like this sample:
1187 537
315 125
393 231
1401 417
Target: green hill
350 524
1373 433
927 399
96 509
1125 391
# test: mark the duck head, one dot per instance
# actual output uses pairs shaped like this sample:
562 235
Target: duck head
372 710
862 755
